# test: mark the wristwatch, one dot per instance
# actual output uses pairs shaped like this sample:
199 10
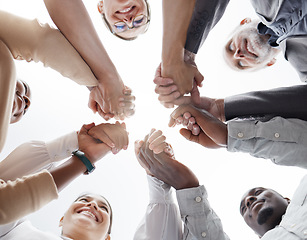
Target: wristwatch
90 167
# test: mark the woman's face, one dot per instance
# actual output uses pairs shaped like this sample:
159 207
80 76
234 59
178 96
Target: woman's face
126 18
87 218
22 101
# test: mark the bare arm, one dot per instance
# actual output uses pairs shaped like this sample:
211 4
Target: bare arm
72 18
7 88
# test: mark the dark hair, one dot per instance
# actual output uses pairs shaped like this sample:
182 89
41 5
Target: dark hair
111 212
115 34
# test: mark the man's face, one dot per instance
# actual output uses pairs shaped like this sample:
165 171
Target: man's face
124 14
262 209
22 101
89 216
249 50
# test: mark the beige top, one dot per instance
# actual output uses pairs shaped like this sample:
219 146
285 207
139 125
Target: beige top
29 40
25 195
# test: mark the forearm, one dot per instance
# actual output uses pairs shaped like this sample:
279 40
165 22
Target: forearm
72 18
30 40
34 156
67 172
23 196
205 16
285 102
7 90
282 140
176 18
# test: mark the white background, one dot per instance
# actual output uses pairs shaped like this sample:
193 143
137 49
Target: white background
60 106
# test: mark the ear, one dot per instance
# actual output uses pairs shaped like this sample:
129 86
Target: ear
61 222
272 62
288 200
108 237
245 20
100 7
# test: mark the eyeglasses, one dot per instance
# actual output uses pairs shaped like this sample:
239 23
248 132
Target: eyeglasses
138 21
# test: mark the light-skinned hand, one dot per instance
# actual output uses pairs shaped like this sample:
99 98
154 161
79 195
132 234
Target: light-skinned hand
112 99
183 75
114 135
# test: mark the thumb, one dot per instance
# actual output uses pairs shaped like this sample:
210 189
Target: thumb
86 127
195 95
198 77
187 134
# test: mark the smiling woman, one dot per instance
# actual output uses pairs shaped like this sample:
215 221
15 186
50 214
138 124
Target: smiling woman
89 217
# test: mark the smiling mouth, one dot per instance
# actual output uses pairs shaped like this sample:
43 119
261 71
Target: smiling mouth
249 49
256 203
126 10
88 214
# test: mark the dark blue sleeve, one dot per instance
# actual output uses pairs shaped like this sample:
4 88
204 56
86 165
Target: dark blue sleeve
205 15
286 102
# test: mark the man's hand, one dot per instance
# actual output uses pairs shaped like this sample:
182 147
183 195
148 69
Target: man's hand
114 135
163 165
213 133
183 75
112 99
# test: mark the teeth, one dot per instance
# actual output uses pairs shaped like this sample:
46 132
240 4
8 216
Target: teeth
87 213
125 10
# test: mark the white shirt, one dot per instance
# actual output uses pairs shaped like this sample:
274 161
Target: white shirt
162 219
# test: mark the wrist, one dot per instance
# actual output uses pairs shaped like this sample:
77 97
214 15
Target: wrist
84 159
221 108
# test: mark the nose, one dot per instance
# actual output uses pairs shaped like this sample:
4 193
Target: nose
128 19
249 201
93 204
27 102
239 54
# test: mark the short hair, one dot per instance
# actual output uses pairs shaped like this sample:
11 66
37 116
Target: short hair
108 25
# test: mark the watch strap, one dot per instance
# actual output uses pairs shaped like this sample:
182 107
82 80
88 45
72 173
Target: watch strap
89 166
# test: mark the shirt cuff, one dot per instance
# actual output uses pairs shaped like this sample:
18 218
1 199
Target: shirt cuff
62 147
159 192
193 201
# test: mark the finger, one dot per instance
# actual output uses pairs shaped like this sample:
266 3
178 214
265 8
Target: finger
186 117
127 98
195 95
137 146
92 105
187 134
126 105
88 126
158 71
198 77
169 151
191 123
195 130
129 113
168 105
169 98
100 134
127 90
158 148
179 120
180 111
166 90
154 134
105 116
